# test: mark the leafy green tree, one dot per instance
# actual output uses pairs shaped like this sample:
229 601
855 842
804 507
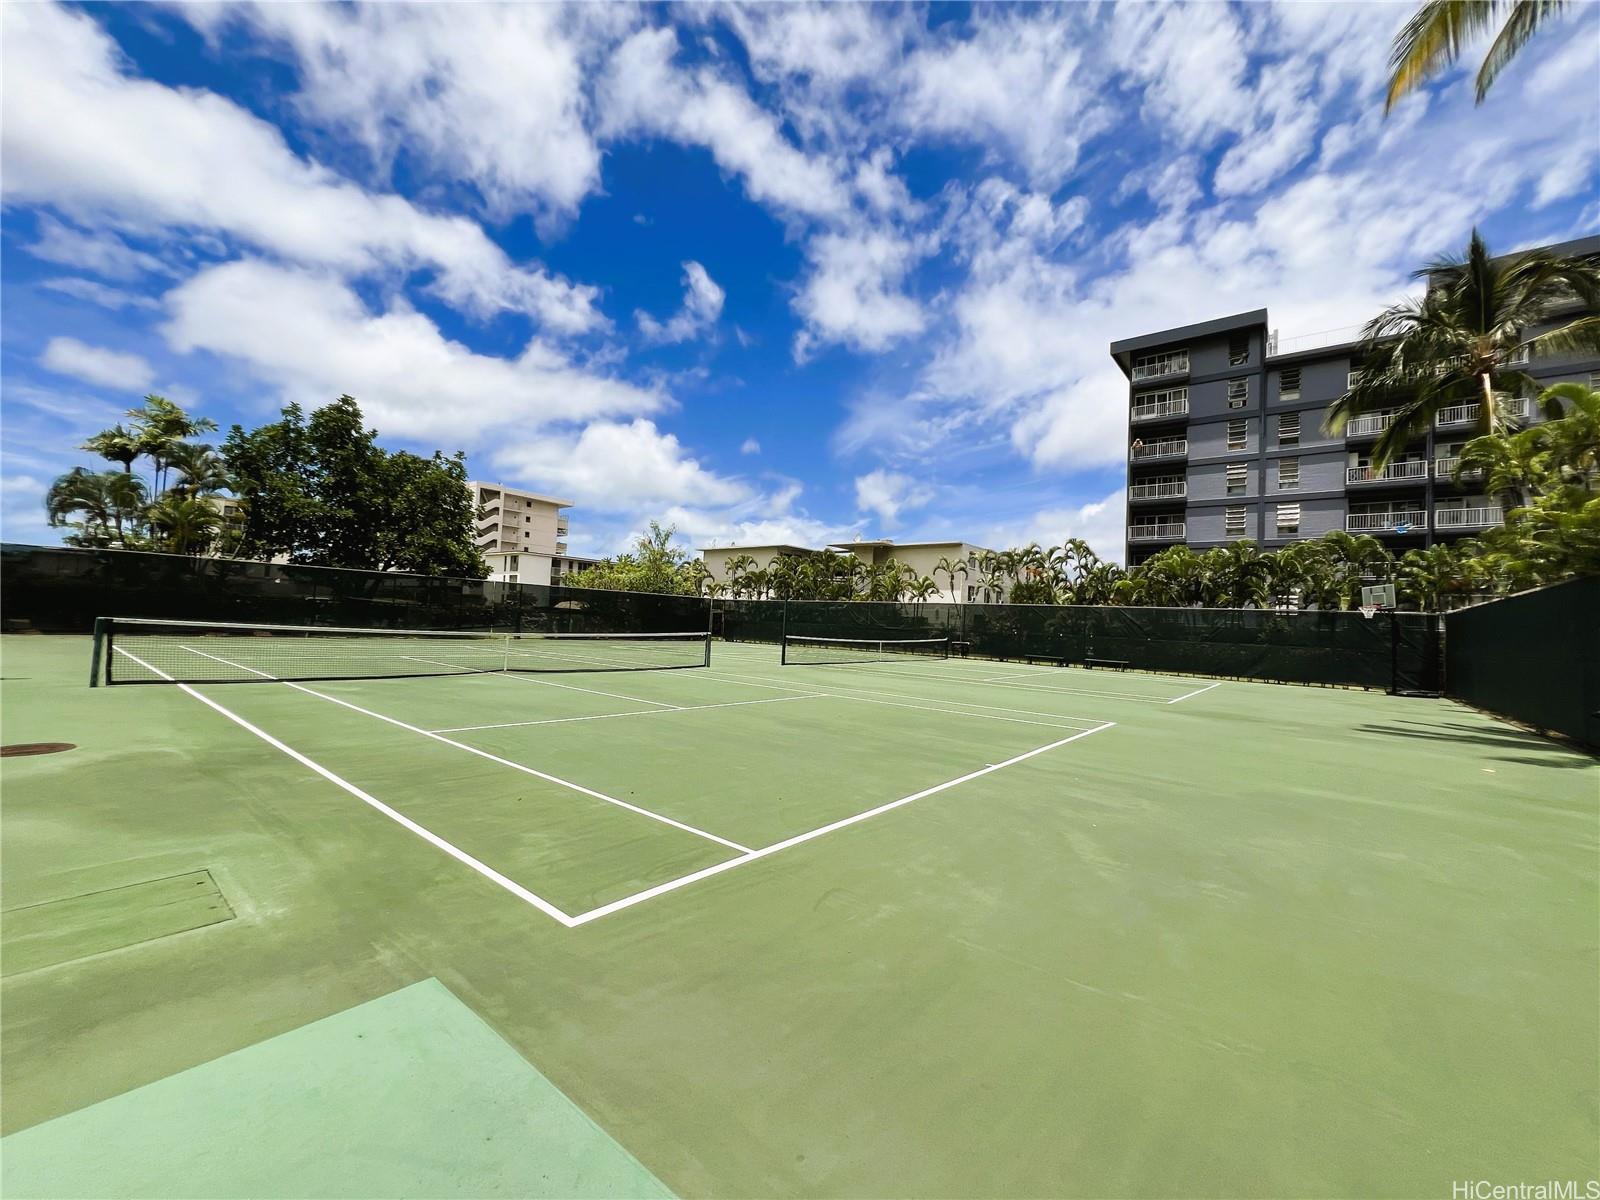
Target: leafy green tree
654 564
117 444
322 492
182 524
1460 342
1432 40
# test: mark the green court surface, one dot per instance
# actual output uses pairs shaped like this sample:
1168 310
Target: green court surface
926 928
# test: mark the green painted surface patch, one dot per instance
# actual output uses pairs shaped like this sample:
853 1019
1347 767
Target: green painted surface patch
407 1095
73 927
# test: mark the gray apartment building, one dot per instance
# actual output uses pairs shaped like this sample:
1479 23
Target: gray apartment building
1226 441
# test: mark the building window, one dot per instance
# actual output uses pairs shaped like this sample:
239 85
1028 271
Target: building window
511 578
1288 474
1238 392
1238 435
1153 366
1233 522
1594 381
1238 349
1288 519
1289 383
1237 479
511 562
1288 429
972 593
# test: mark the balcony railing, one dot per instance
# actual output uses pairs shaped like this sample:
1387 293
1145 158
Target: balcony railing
1389 522
1163 531
1161 408
1395 471
1173 448
1157 366
1468 518
1369 425
1468 414
1173 490
1445 469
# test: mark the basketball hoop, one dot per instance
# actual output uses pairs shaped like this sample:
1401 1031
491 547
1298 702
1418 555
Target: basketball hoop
1369 611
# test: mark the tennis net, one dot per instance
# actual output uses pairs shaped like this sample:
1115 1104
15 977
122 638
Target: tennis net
138 650
823 651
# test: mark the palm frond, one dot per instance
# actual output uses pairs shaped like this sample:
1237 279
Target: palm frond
1430 41
1521 24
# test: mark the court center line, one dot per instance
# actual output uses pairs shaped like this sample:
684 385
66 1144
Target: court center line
570 687
399 818
648 712
495 758
1196 692
901 698
594 914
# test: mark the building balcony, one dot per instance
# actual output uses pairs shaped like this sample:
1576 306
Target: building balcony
1458 415
1370 425
1151 452
561 527
1447 520
1388 522
1161 410
1415 471
1444 470
1158 531
561 547
1160 366
1170 490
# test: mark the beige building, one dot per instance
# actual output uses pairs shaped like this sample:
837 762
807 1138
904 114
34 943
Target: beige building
923 558
521 534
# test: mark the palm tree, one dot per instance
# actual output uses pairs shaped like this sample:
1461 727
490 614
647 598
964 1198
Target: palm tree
184 524
1574 437
950 568
160 426
200 471
117 445
923 589
106 503
1242 575
1459 343
1431 41
1352 559
1513 467
1430 578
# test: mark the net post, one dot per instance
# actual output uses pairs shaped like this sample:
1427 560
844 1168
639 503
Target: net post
101 652
1394 654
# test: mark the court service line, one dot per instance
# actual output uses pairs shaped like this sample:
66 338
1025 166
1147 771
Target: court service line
494 758
399 818
571 687
1196 692
649 712
594 914
1027 712
745 681
1027 687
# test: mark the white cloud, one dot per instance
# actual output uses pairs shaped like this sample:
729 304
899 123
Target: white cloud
99 293
852 295
115 151
97 365
702 305
311 337
614 467
644 91
889 494
101 252
490 94
750 446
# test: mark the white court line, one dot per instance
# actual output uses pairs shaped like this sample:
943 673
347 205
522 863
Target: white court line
1196 692
494 758
594 914
1030 712
571 687
743 681
427 835
648 712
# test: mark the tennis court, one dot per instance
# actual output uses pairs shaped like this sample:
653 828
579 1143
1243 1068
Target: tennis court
825 919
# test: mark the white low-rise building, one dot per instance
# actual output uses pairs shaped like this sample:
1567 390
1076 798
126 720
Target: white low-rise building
924 558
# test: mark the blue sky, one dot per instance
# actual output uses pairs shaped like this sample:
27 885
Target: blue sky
778 273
